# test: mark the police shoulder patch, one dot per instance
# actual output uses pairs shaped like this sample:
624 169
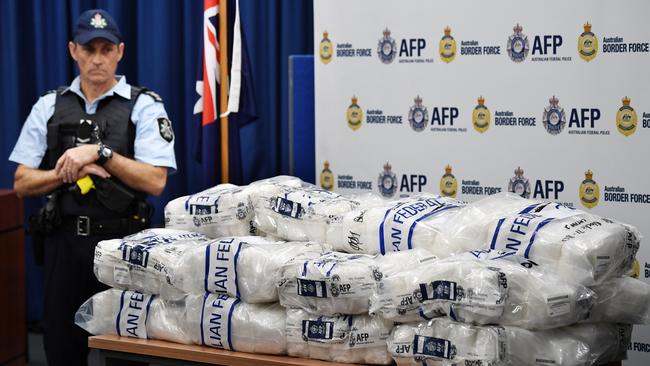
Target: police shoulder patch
165 129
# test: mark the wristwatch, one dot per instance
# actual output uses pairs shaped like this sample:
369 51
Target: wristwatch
105 154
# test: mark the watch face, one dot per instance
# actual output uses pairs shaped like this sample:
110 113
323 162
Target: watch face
107 152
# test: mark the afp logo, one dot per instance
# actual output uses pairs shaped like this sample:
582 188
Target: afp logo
554 117
326 49
418 115
519 184
589 191
387 182
518 45
386 48
545 189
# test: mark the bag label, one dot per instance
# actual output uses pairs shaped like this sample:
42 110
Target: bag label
433 347
221 258
517 233
286 207
317 329
443 290
396 229
312 288
216 319
132 317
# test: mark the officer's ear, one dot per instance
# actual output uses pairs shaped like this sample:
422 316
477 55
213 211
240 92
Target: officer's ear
120 51
72 47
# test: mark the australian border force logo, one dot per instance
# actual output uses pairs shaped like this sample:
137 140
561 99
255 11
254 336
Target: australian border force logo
447 46
518 45
626 118
554 117
589 191
418 115
519 184
481 116
326 49
587 44
448 184
354 115
326 177
386 48
387 182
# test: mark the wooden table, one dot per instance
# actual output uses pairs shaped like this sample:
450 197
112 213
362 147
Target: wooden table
113 348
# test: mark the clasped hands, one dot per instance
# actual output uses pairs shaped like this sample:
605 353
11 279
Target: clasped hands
77 162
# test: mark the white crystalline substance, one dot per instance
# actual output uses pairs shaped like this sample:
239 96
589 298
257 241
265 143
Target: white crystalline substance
223 210
338 283
212 320
244 267
143 261
442 341
482 287
623 300
389 226
348 338
288 208
576 245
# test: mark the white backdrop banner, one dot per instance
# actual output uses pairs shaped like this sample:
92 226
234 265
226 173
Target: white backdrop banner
547 99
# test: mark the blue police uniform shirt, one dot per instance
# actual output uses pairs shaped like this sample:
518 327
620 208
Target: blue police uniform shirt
149 146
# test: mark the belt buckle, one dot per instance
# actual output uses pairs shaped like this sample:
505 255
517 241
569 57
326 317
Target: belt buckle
83 225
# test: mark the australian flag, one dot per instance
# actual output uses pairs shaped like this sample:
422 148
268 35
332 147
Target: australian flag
241 99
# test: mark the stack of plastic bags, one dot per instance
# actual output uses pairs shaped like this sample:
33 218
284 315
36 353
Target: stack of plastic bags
577 245
421 280
211 320
219 293
327 305
442 341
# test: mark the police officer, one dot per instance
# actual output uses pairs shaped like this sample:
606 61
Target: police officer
103 128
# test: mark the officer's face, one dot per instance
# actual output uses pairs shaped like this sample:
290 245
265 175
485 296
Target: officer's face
97 59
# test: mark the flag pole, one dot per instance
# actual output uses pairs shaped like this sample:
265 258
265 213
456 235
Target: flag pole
224 86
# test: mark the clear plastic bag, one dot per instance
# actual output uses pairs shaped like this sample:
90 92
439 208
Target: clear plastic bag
482 287
337 283
223 210
242 267
347 338
289 208
212 320
219 321
577 245
622 300
143 261
390 226
442 341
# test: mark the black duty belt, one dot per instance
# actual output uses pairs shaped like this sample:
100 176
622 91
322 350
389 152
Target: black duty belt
85 226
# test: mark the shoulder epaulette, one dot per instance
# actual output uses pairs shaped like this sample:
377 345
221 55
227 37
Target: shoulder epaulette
143 90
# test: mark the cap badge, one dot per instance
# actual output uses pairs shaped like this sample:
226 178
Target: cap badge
98 21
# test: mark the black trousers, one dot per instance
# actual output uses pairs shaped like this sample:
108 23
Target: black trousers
69 282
